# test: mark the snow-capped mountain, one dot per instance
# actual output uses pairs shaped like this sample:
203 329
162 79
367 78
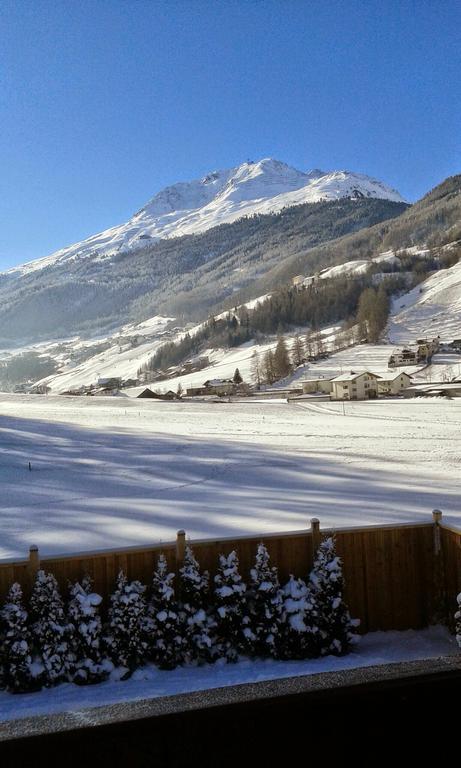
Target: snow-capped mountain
220 197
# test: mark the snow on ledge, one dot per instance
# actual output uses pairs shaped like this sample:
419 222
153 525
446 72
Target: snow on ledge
375 648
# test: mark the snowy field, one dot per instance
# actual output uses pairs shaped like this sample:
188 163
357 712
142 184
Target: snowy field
148 682
115 472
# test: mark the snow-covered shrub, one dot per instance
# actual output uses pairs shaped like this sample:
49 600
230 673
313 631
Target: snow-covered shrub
458 621
195 618
166 644
87 640
126 630
230 607
16 653
335 626
52 632
263 629
299 621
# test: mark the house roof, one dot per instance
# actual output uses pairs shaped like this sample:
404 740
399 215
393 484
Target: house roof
352 376
394 376
217 382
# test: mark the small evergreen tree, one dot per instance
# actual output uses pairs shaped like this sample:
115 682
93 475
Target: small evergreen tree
229 605
256 372
237 379
297 641
309 346
297 351
458 621
195 619
264 627
268 367
16 651
166 644
52 632
84 615
335 626
126 640
282 365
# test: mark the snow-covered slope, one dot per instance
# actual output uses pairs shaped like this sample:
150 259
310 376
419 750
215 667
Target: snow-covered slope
432 308
220 197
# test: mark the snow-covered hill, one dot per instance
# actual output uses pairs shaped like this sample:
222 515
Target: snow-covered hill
432 308
221 197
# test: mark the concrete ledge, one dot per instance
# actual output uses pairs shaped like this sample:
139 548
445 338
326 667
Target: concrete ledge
145 709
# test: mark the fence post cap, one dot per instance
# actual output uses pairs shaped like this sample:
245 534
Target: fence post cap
436 514
181 533
315 521
33 548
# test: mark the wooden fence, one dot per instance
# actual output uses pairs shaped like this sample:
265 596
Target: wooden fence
397 576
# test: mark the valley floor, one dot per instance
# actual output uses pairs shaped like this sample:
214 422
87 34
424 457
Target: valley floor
115 472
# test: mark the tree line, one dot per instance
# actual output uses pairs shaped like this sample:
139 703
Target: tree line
325 303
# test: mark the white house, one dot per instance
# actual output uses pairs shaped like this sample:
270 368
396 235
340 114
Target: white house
402 357
312 386
355 386
393 383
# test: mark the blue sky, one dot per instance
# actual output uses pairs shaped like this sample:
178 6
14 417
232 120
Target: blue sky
103 103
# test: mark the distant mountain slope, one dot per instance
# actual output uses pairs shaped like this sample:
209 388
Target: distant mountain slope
182 277
220 197
433 221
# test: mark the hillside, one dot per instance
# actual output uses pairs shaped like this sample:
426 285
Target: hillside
184 277
435 220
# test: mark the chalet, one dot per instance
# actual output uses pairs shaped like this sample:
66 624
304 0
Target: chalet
110 382
355 386
402 357
393 383
39 389
297 280
312 386
149 393
196 363
219 387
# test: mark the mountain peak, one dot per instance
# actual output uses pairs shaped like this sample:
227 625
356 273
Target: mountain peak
221 196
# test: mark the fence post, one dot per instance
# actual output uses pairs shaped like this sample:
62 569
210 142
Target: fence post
315 531
180 547
440 613
437 517
34 563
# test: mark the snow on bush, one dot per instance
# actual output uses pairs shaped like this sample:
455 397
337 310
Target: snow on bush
263 630
229 608
87 639
458 621
299 621
335 628
16 647
165 641
196 620
126 636
52 644
52 632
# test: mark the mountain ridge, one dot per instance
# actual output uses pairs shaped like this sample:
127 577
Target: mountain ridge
265 186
